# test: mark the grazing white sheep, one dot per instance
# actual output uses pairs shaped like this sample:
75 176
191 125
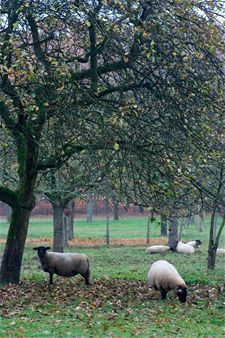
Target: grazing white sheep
220 251
154 249
196 244
184 248
63 264
164 277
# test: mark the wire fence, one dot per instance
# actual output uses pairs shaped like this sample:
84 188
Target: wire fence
107 231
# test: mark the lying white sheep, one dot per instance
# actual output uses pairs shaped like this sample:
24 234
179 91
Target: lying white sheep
157 249
184 248
220 251
63 264
164 277
196 244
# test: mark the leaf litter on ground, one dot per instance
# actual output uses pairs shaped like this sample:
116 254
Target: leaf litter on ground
101 294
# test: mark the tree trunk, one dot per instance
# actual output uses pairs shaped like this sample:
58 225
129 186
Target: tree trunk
213 244
173 229
70 206
107 219
163 222
89 208
115 209
58 233
21 202
202 220
212 256
65 231
148 230
14 248
141 209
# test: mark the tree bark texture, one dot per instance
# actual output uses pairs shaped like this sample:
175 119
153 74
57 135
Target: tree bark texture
89 207
14 248
214 240
65 231
70 206
58 233
21 202
173 229
115 209
212 256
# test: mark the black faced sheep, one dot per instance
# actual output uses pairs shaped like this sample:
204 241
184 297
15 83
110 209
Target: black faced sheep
157 249
196 244
63 264
184 248
164 277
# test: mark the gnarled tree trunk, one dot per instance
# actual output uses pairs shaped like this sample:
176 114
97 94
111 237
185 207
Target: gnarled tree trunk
13 254
22 203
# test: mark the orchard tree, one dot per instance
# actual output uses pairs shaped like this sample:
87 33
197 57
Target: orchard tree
101 74
61 186
209 178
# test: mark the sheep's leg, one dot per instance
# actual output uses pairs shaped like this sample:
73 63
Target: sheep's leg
51 278
163 294
86 276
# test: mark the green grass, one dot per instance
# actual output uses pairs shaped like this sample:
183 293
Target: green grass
149 319
123 228
118 303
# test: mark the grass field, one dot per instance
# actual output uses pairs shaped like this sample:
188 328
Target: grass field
124 228
118 303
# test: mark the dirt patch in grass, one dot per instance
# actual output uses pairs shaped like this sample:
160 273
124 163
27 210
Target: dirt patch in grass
79 241
116 241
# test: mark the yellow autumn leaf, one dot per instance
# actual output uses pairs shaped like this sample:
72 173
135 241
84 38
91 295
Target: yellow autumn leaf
87 23
46 104
60 89
116 146
144 35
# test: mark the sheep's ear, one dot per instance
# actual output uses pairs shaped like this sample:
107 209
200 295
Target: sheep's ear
36 248
48 248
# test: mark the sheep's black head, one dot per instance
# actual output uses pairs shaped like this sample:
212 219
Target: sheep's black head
182 293
198 241
41 250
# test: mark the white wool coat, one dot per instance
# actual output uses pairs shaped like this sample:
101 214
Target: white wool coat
164 275
157 249
184 248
